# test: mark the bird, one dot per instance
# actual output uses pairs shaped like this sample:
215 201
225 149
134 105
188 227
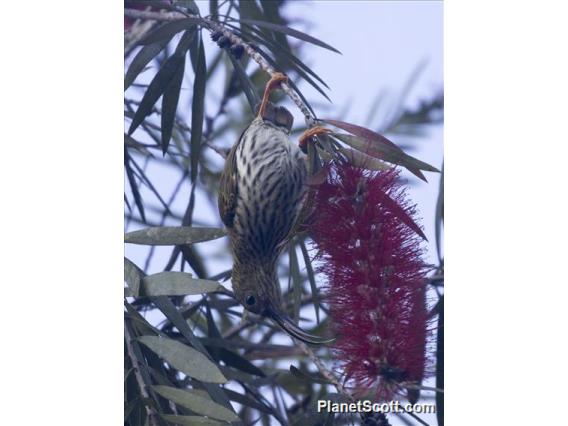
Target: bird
261 190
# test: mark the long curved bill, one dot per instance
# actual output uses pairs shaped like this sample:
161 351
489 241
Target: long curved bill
293 330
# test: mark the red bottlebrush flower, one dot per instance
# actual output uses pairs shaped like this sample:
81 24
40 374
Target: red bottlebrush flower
369 250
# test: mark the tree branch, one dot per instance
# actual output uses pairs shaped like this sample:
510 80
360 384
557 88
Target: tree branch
136 366
236 40
323 370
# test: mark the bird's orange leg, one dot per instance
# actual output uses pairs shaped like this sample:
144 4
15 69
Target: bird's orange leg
309 134
272 84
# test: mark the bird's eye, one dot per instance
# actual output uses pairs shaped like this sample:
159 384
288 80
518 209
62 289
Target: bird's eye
250 300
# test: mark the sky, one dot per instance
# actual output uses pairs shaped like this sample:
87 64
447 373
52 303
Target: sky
382 43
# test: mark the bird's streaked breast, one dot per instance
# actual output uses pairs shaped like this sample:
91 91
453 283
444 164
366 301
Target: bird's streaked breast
271 178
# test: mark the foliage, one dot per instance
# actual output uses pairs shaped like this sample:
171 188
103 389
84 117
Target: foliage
191 355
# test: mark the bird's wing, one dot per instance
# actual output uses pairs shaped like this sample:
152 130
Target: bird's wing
228 187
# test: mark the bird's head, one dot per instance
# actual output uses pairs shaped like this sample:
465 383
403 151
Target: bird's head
259 292
278 116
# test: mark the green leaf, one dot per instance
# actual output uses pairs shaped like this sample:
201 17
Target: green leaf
360 159
157 87
249 402
169 106
184 358
296 280
291 32
130 142
234 360
165 305
246 84
386 153
168 30
142 58
171 95
162 80
196 403
284 54
176 284
214 9
133 276
362 132
403 95
190 420
133 185
173 235
310 377
440 217
271 61
311 279
212 329
197 110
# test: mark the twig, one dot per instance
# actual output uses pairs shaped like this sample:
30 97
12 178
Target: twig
136 366
236 40
136 33
323 370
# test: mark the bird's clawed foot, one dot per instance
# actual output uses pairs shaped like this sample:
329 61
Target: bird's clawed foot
309 135
275 82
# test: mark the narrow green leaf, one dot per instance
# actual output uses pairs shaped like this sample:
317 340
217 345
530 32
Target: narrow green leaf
290 82
169 106
171 96
172 93
191 420
142 58
196 403
234 360
127 204
360 159
184 358
291 32
284 54
311 279
169 29
157 87
440 217
185 41
249 402
386 153
139 323
310 377
165 305
296 279
303 98
197 110
134 186
133 276
172 235
214 9
402 97
176 284
271 12
362 132
212 329
246 84
130 142
161 81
